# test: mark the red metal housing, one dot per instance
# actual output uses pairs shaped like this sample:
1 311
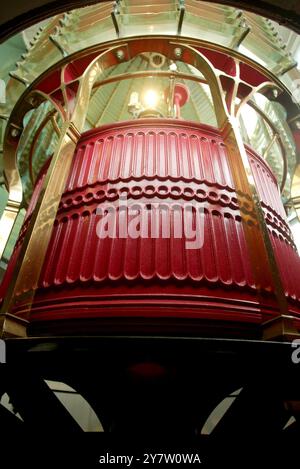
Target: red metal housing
89 284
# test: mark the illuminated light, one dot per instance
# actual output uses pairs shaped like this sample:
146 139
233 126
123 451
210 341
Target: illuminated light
150 99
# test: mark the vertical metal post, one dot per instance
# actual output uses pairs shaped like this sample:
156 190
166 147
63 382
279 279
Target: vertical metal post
265 268
35 244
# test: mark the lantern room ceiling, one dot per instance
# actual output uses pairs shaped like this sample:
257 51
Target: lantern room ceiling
17 15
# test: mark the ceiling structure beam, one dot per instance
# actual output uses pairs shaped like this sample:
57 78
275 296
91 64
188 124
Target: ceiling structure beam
17 15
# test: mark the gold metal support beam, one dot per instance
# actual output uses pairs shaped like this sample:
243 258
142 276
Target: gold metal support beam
263 256
265 268
35 244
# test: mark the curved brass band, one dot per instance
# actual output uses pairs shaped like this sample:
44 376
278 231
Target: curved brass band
36 240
